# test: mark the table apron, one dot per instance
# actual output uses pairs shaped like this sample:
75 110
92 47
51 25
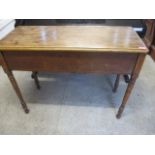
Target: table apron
109 62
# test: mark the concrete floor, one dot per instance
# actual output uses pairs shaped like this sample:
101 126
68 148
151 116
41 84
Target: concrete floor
78 104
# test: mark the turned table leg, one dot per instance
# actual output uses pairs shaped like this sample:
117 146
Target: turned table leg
17 90
116 83
131 84
13 82
35 77
126 96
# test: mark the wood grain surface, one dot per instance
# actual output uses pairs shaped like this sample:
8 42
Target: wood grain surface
74 38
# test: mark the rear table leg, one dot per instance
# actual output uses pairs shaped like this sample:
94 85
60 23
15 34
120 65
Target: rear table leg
126 96
35 77
116 83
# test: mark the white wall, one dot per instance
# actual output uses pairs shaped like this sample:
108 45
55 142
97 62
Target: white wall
6 26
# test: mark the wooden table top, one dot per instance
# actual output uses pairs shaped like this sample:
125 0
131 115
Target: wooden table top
74 38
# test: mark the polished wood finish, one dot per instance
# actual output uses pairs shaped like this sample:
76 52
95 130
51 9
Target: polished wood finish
13 82
74 38
71 62
99 49
131 84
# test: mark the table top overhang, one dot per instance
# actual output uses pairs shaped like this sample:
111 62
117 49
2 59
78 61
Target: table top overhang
74 38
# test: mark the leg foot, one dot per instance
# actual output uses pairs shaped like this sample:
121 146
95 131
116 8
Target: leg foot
118 116
120 111
27 111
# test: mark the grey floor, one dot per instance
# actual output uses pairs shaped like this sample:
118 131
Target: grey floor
78 104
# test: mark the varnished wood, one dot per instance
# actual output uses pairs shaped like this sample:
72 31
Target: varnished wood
13 82
71 62
116 83
99 49
74 38
131 84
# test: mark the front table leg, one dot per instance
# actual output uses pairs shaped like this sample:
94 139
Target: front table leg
17 90
126 96
13 82
35 77
131 84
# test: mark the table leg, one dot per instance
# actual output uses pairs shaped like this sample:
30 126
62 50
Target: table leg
116 83
17 90
13 82
126 96
35 77
131 84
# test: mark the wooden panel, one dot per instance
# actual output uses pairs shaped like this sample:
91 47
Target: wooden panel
71 62
153 52
74 38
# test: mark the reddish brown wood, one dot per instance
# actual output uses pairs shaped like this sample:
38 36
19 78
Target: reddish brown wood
116 83
134 76
13 82
153 52
73 38
63 49
71 62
